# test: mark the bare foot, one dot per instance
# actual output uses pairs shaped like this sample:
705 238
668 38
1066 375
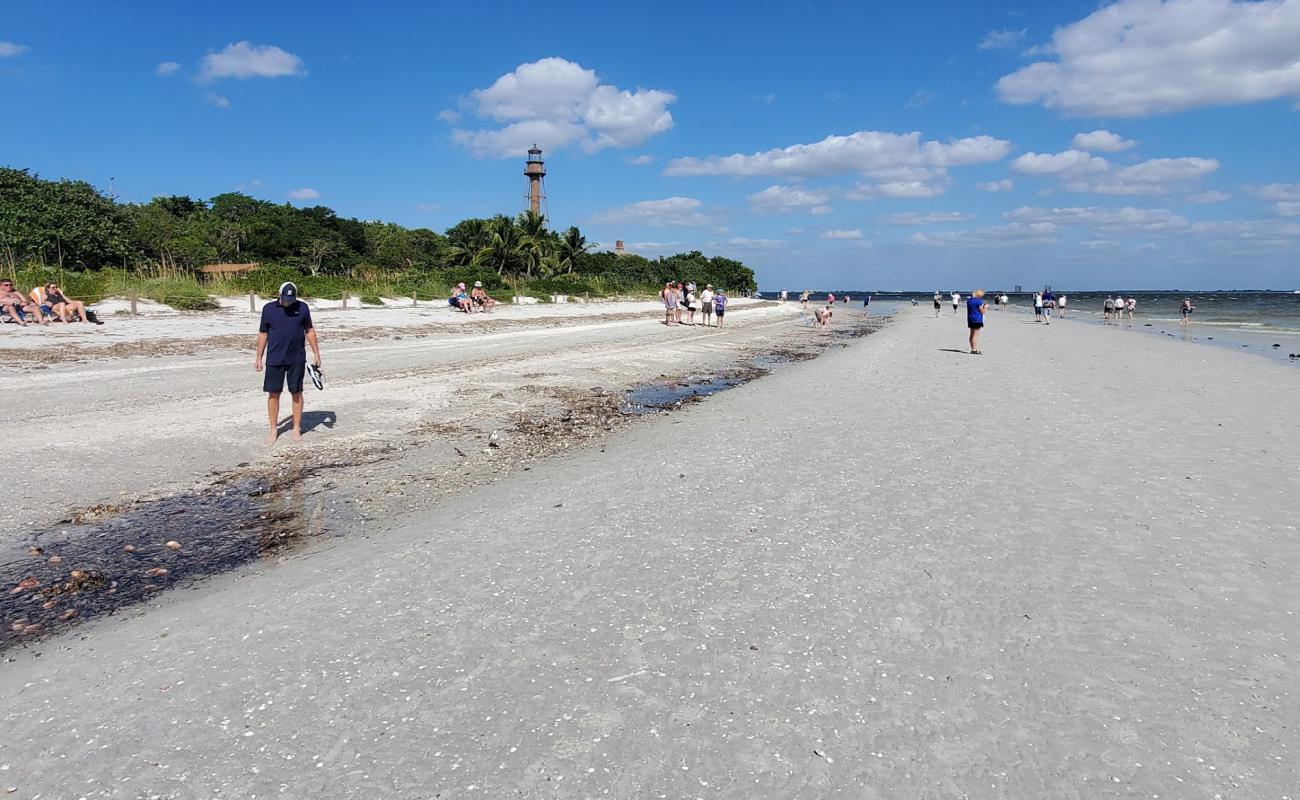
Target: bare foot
272 436
297 436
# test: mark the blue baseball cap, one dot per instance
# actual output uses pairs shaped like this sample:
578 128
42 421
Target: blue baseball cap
288 292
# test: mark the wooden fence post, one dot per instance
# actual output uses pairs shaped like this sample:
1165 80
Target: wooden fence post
134 296
252 302
414 300
345 299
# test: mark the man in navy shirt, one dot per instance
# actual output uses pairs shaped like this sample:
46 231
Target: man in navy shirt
975 308
286 326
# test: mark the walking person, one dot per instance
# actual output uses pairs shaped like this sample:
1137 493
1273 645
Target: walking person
1060 305
720 306
1107 308
1130 305
803 299
1049 305
1038 307
1186 311
975 308
285 327
938 304
866 304
956 301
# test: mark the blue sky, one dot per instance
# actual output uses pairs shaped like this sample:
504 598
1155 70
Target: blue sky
1126 145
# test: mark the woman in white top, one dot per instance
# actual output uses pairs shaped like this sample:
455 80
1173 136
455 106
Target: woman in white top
1060 305
1038 307
690 304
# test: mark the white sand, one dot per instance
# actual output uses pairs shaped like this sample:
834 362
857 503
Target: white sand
1065 569
158 322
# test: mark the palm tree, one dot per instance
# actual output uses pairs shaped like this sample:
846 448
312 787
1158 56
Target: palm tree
572 245
507 241
533 251
533 225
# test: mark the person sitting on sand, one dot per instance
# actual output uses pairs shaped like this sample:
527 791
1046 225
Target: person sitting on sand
720 306
706 305
14 305
51 297
480 298
459 299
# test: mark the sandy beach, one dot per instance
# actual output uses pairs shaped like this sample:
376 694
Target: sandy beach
1063 569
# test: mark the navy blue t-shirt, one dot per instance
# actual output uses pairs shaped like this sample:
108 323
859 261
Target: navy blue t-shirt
286 333
973 312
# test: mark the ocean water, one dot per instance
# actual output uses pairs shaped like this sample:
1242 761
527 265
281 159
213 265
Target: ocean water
1253 321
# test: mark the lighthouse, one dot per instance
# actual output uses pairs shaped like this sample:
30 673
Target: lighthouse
535 171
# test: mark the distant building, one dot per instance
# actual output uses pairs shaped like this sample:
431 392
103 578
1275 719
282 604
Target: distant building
619 250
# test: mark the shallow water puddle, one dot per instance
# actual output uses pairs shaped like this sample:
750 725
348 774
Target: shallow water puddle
111 558
670 394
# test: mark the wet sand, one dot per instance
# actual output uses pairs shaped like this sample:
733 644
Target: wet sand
1063 569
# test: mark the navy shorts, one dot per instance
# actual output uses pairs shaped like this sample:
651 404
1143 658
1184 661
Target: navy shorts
276 376
975 325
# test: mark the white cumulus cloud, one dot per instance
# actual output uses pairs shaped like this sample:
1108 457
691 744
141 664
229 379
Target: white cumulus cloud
932 218
851 233
669 212
304 193
1287 208
556 103
1068 162
166 68
1003 185
12 49
787 198
861 152
1002 39
1102 141
1153 176
214 99
1126 218
1136 58
1277 191
244 60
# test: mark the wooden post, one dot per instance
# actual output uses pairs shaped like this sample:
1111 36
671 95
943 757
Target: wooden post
134 296
345 299
414 301
252 302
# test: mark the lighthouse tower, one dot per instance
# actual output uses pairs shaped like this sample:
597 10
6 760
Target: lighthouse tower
535 171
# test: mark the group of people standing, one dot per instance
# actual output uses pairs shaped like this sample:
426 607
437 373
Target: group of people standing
681 299
1117 306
